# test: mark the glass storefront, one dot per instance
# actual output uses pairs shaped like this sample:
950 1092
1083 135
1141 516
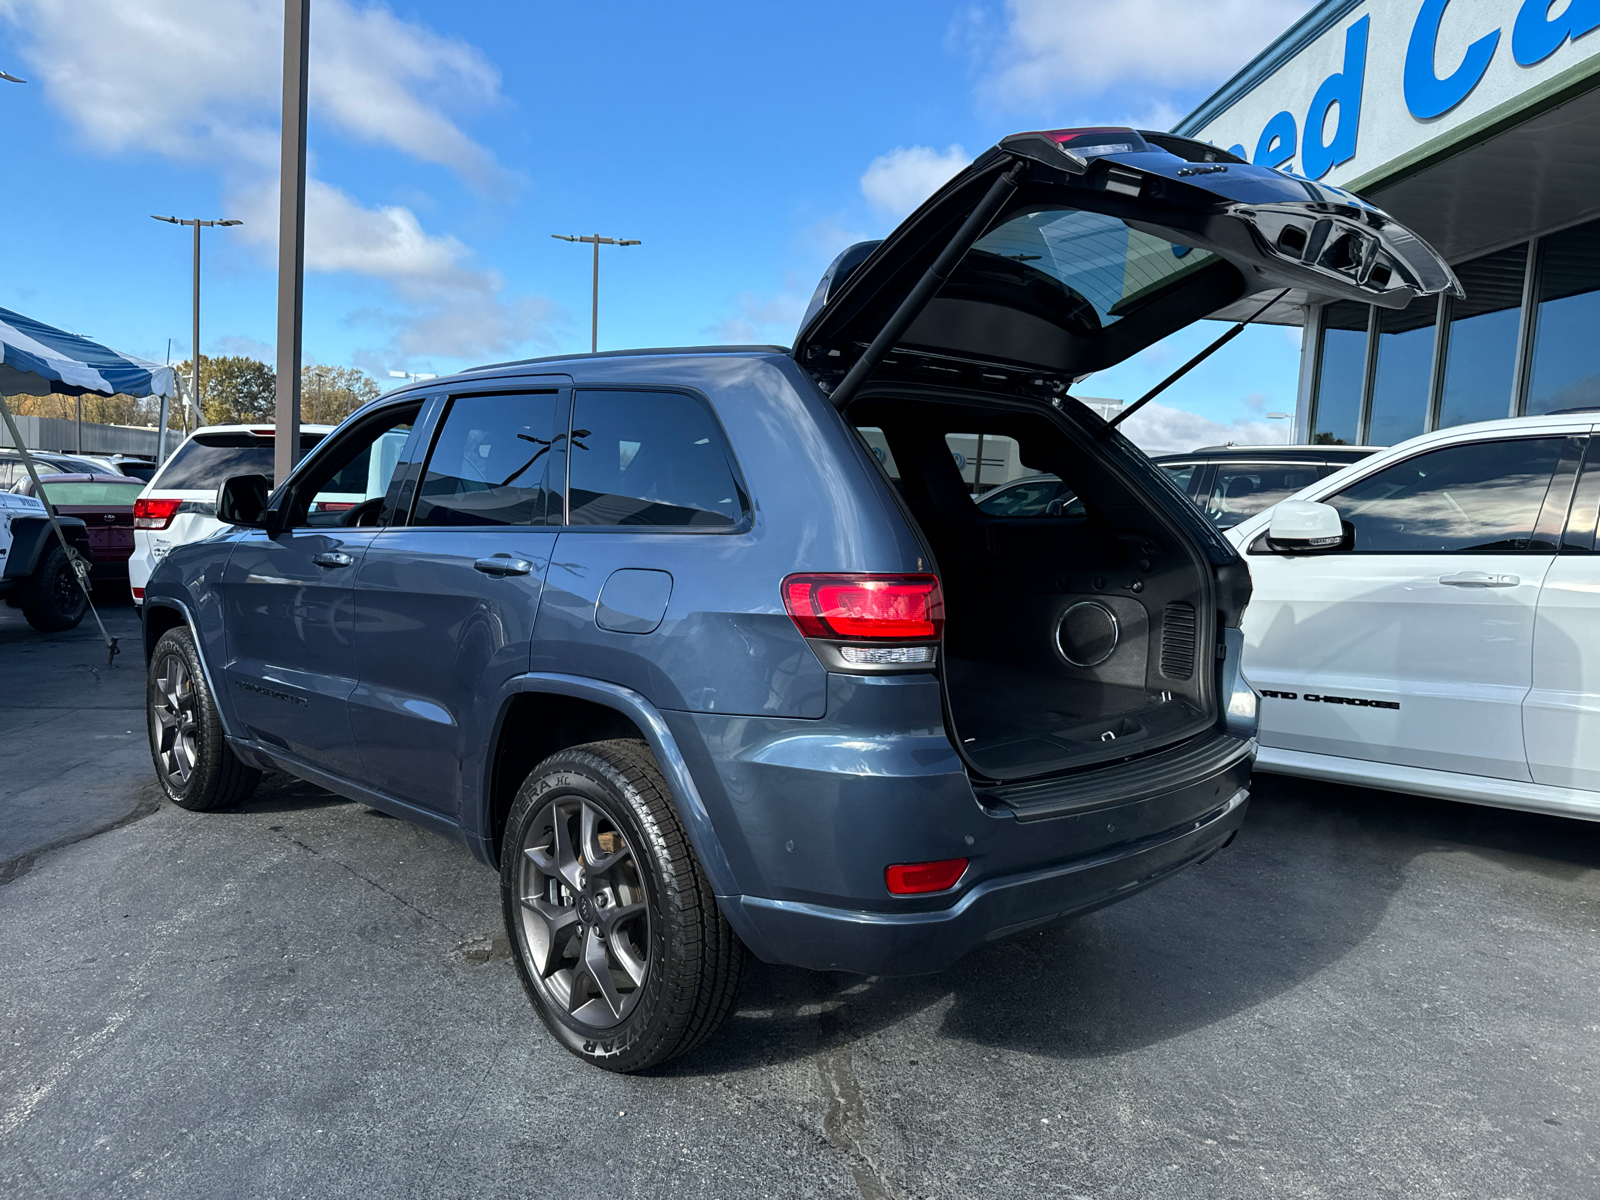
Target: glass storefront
1342 377
1565 369
1381 390
1480 365
1405 365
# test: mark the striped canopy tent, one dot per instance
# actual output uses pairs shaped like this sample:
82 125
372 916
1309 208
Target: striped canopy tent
38 360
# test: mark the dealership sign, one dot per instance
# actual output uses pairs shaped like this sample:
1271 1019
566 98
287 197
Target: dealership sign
1355 86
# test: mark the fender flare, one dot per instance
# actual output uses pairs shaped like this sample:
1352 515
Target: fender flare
685 795
31 535
171 603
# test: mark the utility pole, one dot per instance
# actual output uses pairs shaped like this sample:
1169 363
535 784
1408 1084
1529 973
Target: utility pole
594 310
194 364
292 232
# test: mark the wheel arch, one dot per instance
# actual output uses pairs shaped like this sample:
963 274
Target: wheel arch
162 614
544 713
31 536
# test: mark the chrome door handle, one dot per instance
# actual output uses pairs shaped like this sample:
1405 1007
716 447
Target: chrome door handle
502 565
1475 579
332 558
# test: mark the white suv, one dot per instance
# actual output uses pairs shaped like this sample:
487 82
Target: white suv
1428 619
179 504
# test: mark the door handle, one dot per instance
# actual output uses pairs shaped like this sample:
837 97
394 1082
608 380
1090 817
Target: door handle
1477 579
503 564
332 558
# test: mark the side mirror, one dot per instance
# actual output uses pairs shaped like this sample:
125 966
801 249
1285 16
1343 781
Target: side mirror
1301 525
242 500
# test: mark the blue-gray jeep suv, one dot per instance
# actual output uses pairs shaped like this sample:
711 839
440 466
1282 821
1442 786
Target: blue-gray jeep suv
712 653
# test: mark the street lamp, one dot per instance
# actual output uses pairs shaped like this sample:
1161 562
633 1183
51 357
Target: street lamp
594 310
194 366
11 78
1283 417
413 376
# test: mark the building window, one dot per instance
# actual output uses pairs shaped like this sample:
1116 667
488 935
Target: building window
1481 358
1565 367
1404 370
1337 415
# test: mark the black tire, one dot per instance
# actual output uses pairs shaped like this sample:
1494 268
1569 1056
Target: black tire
193 764
691 963
51 598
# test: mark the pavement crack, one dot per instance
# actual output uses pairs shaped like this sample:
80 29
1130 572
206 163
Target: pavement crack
844 1124
373 883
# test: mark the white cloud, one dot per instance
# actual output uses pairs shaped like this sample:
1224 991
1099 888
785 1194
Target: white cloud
206 87
900 180
770 320
1049 49
1158 429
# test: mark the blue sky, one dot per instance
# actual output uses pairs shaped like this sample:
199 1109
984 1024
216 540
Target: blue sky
743 144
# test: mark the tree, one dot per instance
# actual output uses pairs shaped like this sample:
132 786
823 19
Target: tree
235 389
330 394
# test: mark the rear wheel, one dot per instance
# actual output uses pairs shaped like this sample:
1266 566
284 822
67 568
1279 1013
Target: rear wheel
619 941
51 598
193 763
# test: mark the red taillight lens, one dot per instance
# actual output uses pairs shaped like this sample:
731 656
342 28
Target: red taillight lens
913 879
898 607
138 593
329 506
154 514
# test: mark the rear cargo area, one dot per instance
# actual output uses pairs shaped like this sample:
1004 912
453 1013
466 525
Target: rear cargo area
1077 621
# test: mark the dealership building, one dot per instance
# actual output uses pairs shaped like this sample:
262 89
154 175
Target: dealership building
1477 124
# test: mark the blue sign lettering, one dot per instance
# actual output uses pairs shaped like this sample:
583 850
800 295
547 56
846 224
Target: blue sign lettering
1535 37
1428 96
1344 89
1276 145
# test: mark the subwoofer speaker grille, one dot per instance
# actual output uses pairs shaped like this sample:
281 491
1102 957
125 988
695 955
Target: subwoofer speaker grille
1087 634
1177 641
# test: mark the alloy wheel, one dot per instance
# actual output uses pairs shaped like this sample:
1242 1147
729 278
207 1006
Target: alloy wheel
174 711
585 920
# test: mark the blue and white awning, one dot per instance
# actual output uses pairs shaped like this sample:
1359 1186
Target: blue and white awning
38 360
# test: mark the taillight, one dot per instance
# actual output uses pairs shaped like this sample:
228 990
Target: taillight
138 593
865 607
914 879
154 514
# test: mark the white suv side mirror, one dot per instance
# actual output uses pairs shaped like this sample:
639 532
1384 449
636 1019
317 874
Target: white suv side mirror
1305 525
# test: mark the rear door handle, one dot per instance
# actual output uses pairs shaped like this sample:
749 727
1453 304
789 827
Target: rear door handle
332 558
1477 579
503 564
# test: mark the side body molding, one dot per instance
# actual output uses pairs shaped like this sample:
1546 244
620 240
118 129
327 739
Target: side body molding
696 819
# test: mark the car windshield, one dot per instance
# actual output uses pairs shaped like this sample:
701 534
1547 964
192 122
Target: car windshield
1100 261
207 459
93 491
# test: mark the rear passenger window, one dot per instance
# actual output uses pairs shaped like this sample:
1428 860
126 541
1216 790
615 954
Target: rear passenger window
1242 490
490 461
649 458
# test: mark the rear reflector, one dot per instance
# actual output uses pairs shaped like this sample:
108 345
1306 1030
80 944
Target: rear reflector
913 879
154 514
138 593
865 607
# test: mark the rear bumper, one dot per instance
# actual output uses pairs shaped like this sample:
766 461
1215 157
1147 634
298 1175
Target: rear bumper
917 943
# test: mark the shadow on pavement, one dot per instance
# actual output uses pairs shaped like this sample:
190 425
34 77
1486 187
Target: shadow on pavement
1309 878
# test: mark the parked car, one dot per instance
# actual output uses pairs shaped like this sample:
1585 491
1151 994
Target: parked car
105 505
44 462
1429 620
179 504
143 469
661 637
36 572
1234 483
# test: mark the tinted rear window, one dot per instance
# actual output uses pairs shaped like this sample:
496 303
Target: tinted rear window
209 458
649 458
91 492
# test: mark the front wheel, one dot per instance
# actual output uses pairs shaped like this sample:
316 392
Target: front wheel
619 942
193 763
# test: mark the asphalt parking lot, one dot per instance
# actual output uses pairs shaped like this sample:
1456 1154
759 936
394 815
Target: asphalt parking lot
1366 995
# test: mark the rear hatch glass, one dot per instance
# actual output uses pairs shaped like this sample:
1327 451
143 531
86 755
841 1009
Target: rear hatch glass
206 459
92 492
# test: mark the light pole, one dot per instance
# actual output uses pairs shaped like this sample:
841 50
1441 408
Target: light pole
413 376
194 366
594 312
1283 417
